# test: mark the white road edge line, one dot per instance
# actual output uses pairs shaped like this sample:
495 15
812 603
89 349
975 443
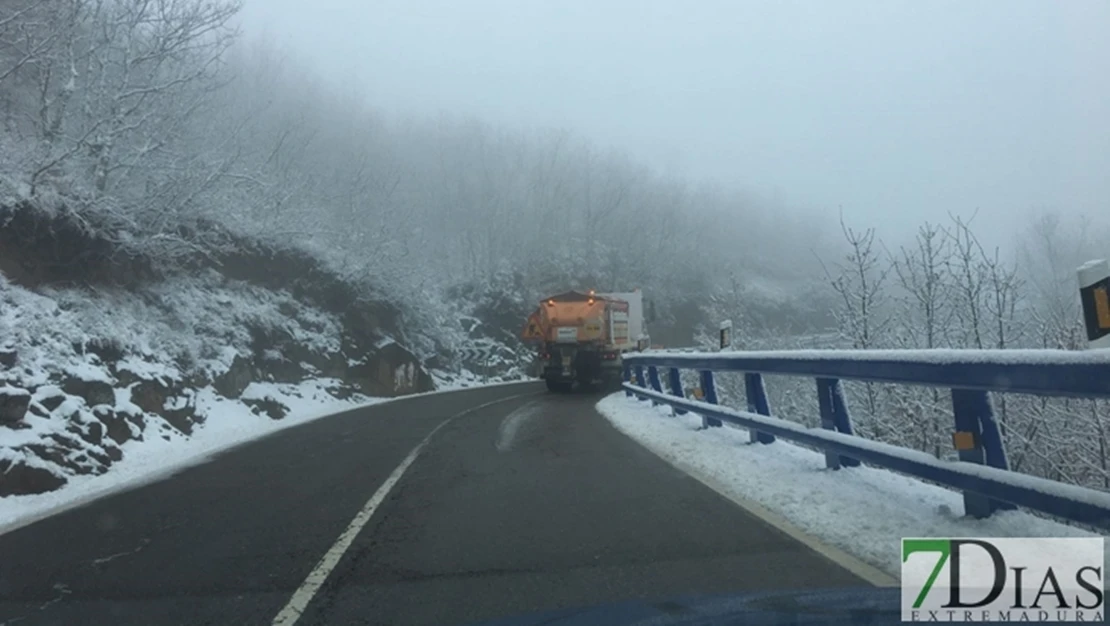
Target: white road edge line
308 589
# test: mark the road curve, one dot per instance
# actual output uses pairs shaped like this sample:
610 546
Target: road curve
520 502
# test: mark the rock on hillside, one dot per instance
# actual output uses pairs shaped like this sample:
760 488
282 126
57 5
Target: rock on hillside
483 330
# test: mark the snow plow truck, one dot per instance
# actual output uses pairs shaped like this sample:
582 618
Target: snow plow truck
582 337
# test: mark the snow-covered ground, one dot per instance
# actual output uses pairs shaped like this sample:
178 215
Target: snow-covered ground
230 423
863 511
466 379
101 389
937 356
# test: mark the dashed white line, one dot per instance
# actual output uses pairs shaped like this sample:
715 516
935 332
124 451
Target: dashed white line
308 589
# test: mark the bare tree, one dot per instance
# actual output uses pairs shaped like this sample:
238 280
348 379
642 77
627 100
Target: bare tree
1049 255
140 68
1003 289
922 277
967 274
1000 305
859 282
921 274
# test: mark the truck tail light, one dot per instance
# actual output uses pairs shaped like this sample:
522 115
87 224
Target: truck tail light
609 356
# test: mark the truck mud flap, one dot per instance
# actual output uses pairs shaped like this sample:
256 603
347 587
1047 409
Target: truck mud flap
558 386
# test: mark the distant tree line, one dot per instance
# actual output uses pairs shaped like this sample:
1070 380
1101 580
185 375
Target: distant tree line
944 289
144 120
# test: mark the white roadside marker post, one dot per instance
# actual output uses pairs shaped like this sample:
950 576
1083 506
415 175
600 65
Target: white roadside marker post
1094 293
726 335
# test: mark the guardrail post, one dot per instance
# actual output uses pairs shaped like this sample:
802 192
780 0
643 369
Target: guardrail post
709 388
757 403
653 378
640 380
977 440
675 379
626 376
834 417
843 420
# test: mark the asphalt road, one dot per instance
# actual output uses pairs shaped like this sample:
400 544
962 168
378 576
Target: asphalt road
531 503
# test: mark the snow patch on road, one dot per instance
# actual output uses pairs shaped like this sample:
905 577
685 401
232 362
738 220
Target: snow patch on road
863 511
513 423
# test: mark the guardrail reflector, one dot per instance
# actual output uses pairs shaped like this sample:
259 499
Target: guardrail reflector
963 440
1102 308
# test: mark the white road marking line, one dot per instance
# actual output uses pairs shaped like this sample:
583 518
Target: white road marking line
308 589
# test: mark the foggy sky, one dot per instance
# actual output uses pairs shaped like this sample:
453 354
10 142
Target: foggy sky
899 111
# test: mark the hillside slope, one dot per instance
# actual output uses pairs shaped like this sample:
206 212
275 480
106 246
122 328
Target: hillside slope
101 358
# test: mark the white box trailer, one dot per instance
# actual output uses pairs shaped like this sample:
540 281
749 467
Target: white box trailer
637 332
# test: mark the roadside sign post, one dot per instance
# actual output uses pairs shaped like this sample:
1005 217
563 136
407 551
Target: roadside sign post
1094 293
726 335
479 354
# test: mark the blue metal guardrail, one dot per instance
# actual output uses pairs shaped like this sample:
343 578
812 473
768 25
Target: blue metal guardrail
982 472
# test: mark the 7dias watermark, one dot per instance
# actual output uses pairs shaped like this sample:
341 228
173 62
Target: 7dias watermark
1002 580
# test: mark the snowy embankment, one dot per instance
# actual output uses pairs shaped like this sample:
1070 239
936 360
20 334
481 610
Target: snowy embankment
229 423
863 511
102 388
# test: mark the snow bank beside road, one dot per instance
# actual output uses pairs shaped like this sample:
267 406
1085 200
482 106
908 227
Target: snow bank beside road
934 356
463 379
230 423
863 511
